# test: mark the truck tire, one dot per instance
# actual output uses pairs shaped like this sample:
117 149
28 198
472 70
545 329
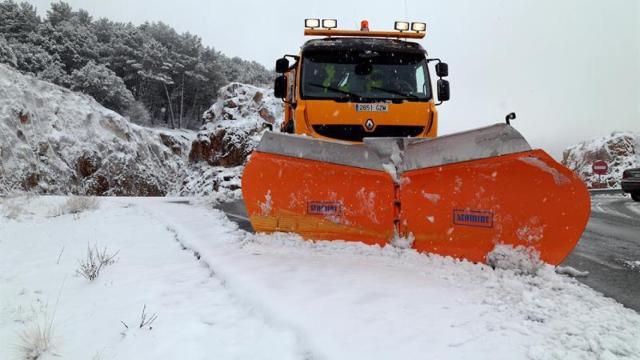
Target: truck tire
635 196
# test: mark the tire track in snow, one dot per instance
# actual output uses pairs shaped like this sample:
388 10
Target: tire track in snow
247 304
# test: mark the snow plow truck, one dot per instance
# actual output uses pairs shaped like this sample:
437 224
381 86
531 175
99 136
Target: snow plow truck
358 157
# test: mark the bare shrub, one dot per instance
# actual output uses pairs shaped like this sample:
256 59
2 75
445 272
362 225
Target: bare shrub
94 262
76 205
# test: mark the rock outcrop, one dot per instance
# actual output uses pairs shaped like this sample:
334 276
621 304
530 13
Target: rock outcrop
233 127
620 150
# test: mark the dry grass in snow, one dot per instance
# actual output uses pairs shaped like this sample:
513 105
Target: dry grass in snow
94 262
36 340
76 205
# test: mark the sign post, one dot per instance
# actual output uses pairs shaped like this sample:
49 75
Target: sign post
600 167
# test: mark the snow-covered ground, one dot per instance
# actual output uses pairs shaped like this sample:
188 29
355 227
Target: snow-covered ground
198 317
247 296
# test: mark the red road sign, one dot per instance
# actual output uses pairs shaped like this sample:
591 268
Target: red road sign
600 167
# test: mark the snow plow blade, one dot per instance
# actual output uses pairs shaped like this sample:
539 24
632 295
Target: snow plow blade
458 195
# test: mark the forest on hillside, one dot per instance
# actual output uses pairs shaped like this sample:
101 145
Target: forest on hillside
148 73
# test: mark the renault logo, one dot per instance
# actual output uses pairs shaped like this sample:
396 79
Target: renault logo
369 125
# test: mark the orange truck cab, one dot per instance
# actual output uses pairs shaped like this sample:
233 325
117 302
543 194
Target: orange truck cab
355 84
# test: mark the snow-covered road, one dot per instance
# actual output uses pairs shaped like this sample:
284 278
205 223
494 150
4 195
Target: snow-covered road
610 249
253 296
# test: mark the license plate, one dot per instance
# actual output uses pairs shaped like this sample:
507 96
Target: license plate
372 107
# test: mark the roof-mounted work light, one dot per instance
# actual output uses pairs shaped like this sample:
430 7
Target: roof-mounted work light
401 26
418 26
312 23
329 23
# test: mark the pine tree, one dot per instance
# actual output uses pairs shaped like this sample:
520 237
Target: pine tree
104 85
17 20
6 53
60 11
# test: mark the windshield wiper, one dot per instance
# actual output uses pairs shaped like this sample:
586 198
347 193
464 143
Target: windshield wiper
395 92
335 89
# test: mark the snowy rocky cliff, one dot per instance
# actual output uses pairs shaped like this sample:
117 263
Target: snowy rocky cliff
55 141
621 150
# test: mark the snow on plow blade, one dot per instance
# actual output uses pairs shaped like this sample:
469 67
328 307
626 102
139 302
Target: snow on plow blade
458 195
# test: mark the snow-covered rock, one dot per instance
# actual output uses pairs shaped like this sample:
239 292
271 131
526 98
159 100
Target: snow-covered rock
621 150
234 125
247 104
56 141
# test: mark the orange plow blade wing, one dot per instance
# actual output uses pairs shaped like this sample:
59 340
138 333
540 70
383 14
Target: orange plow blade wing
525 199
318 200
458 195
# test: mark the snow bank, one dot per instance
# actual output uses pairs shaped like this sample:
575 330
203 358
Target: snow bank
522 260
621 150
56 141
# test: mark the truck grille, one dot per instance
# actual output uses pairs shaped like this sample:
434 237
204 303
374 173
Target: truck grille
357 132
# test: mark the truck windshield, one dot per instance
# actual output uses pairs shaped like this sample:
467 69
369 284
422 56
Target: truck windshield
365 76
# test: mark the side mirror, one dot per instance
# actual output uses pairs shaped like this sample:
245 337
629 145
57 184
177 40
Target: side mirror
443 90
282 65
442 69
280 87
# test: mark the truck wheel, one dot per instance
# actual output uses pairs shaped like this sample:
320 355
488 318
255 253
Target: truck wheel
635 196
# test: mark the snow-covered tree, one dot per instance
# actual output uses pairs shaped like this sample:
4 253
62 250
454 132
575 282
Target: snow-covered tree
56 74
104 85
60 11
6 53
17 20
74 44
32 58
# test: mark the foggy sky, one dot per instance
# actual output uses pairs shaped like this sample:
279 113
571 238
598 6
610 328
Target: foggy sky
570 69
